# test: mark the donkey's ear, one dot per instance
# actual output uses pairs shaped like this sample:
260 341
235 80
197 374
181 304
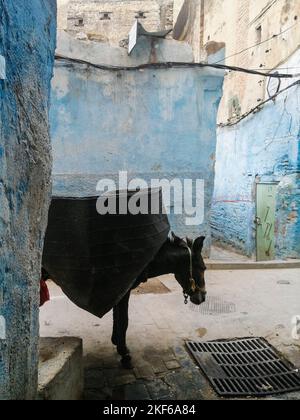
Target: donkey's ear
198 244
172 237
190 242
176 240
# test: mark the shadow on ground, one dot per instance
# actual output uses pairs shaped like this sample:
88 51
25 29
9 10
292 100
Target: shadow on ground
252 303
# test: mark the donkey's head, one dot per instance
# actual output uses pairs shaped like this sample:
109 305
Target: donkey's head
191 268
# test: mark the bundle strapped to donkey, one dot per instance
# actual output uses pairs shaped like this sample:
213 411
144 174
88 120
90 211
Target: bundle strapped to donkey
95 258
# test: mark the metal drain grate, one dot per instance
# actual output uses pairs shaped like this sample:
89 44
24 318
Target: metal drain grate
245 367
214 306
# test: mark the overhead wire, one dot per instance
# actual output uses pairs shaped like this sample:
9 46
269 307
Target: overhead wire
168 65
260 105
257 44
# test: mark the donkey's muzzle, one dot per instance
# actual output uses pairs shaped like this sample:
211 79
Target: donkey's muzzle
198 298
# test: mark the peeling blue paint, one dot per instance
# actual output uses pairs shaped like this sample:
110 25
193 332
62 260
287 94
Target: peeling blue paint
262 148
153 124
27 41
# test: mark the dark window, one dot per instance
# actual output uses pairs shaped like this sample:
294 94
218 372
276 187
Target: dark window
105 16
141 15
259 34
79 22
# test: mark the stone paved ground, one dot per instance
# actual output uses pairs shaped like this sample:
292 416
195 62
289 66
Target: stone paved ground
220 254
262 303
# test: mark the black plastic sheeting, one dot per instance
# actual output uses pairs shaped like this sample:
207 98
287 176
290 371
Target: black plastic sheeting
95 258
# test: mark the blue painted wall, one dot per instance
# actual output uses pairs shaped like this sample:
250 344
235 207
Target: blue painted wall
27 42
154 124
263 148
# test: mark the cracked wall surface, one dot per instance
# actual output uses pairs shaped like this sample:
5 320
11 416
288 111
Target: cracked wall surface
263 148
155 124
259 35
262 35
111 20
27 42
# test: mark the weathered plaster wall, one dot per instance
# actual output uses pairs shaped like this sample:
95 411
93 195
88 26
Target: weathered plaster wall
86 18
265 147
176 8
262 35
248 24
152 123
27 41
62 14
188 19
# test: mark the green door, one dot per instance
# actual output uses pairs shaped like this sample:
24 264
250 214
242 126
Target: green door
265 221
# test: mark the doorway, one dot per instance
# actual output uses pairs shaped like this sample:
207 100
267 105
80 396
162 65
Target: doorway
265 221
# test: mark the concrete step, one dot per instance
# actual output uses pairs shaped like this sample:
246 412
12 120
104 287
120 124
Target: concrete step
60 369
251 265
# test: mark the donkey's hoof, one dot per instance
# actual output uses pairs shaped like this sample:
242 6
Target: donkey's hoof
126 362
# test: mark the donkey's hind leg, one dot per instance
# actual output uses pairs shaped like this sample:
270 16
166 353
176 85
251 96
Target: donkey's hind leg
120 329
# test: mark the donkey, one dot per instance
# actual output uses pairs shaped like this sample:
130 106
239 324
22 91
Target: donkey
179 257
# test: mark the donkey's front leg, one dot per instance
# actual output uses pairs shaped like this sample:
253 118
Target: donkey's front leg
120 330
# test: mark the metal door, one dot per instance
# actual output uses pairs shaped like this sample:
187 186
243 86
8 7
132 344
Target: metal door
265 221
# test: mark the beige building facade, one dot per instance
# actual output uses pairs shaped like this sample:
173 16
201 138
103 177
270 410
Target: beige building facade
188 20
260 35
111 20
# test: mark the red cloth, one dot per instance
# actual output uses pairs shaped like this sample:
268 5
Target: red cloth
44 293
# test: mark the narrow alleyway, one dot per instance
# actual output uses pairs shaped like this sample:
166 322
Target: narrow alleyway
240 304
139 138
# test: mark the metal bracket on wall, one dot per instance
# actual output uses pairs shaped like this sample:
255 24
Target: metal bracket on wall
138 30
2 68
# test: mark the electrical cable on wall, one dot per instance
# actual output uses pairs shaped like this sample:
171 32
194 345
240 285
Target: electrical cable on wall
169 65
258 107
